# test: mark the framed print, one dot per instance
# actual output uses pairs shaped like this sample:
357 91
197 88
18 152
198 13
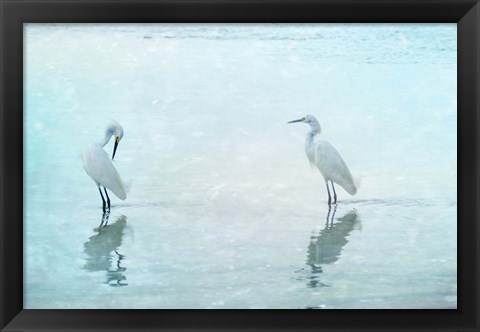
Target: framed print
159 157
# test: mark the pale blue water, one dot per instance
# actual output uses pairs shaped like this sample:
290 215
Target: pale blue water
224 210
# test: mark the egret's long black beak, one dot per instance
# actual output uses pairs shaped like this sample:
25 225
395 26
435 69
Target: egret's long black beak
293 121
115 147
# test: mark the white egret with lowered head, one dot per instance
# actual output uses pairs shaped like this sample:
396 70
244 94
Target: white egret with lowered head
100 168
327 159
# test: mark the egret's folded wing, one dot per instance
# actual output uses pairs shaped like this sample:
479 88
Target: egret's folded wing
332 166
98 165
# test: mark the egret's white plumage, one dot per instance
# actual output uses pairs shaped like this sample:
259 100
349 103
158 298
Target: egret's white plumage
327 159
100 168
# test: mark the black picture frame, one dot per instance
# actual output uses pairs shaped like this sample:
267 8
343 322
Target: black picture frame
14 13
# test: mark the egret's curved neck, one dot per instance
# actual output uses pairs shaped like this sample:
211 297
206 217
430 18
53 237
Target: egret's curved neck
104 141
310 140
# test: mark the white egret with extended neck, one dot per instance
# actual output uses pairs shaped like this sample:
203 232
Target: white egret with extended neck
100 168
327 159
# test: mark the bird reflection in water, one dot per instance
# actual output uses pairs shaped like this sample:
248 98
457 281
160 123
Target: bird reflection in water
102 251
326 246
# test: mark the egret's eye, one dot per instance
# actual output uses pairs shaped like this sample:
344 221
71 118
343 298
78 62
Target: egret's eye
117 139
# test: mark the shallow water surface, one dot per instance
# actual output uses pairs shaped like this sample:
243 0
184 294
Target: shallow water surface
223 209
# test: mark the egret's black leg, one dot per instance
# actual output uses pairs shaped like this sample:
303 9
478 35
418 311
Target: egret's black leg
334 193
103 220
329 197
333 215
108 198
328 216
107 216
103 199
